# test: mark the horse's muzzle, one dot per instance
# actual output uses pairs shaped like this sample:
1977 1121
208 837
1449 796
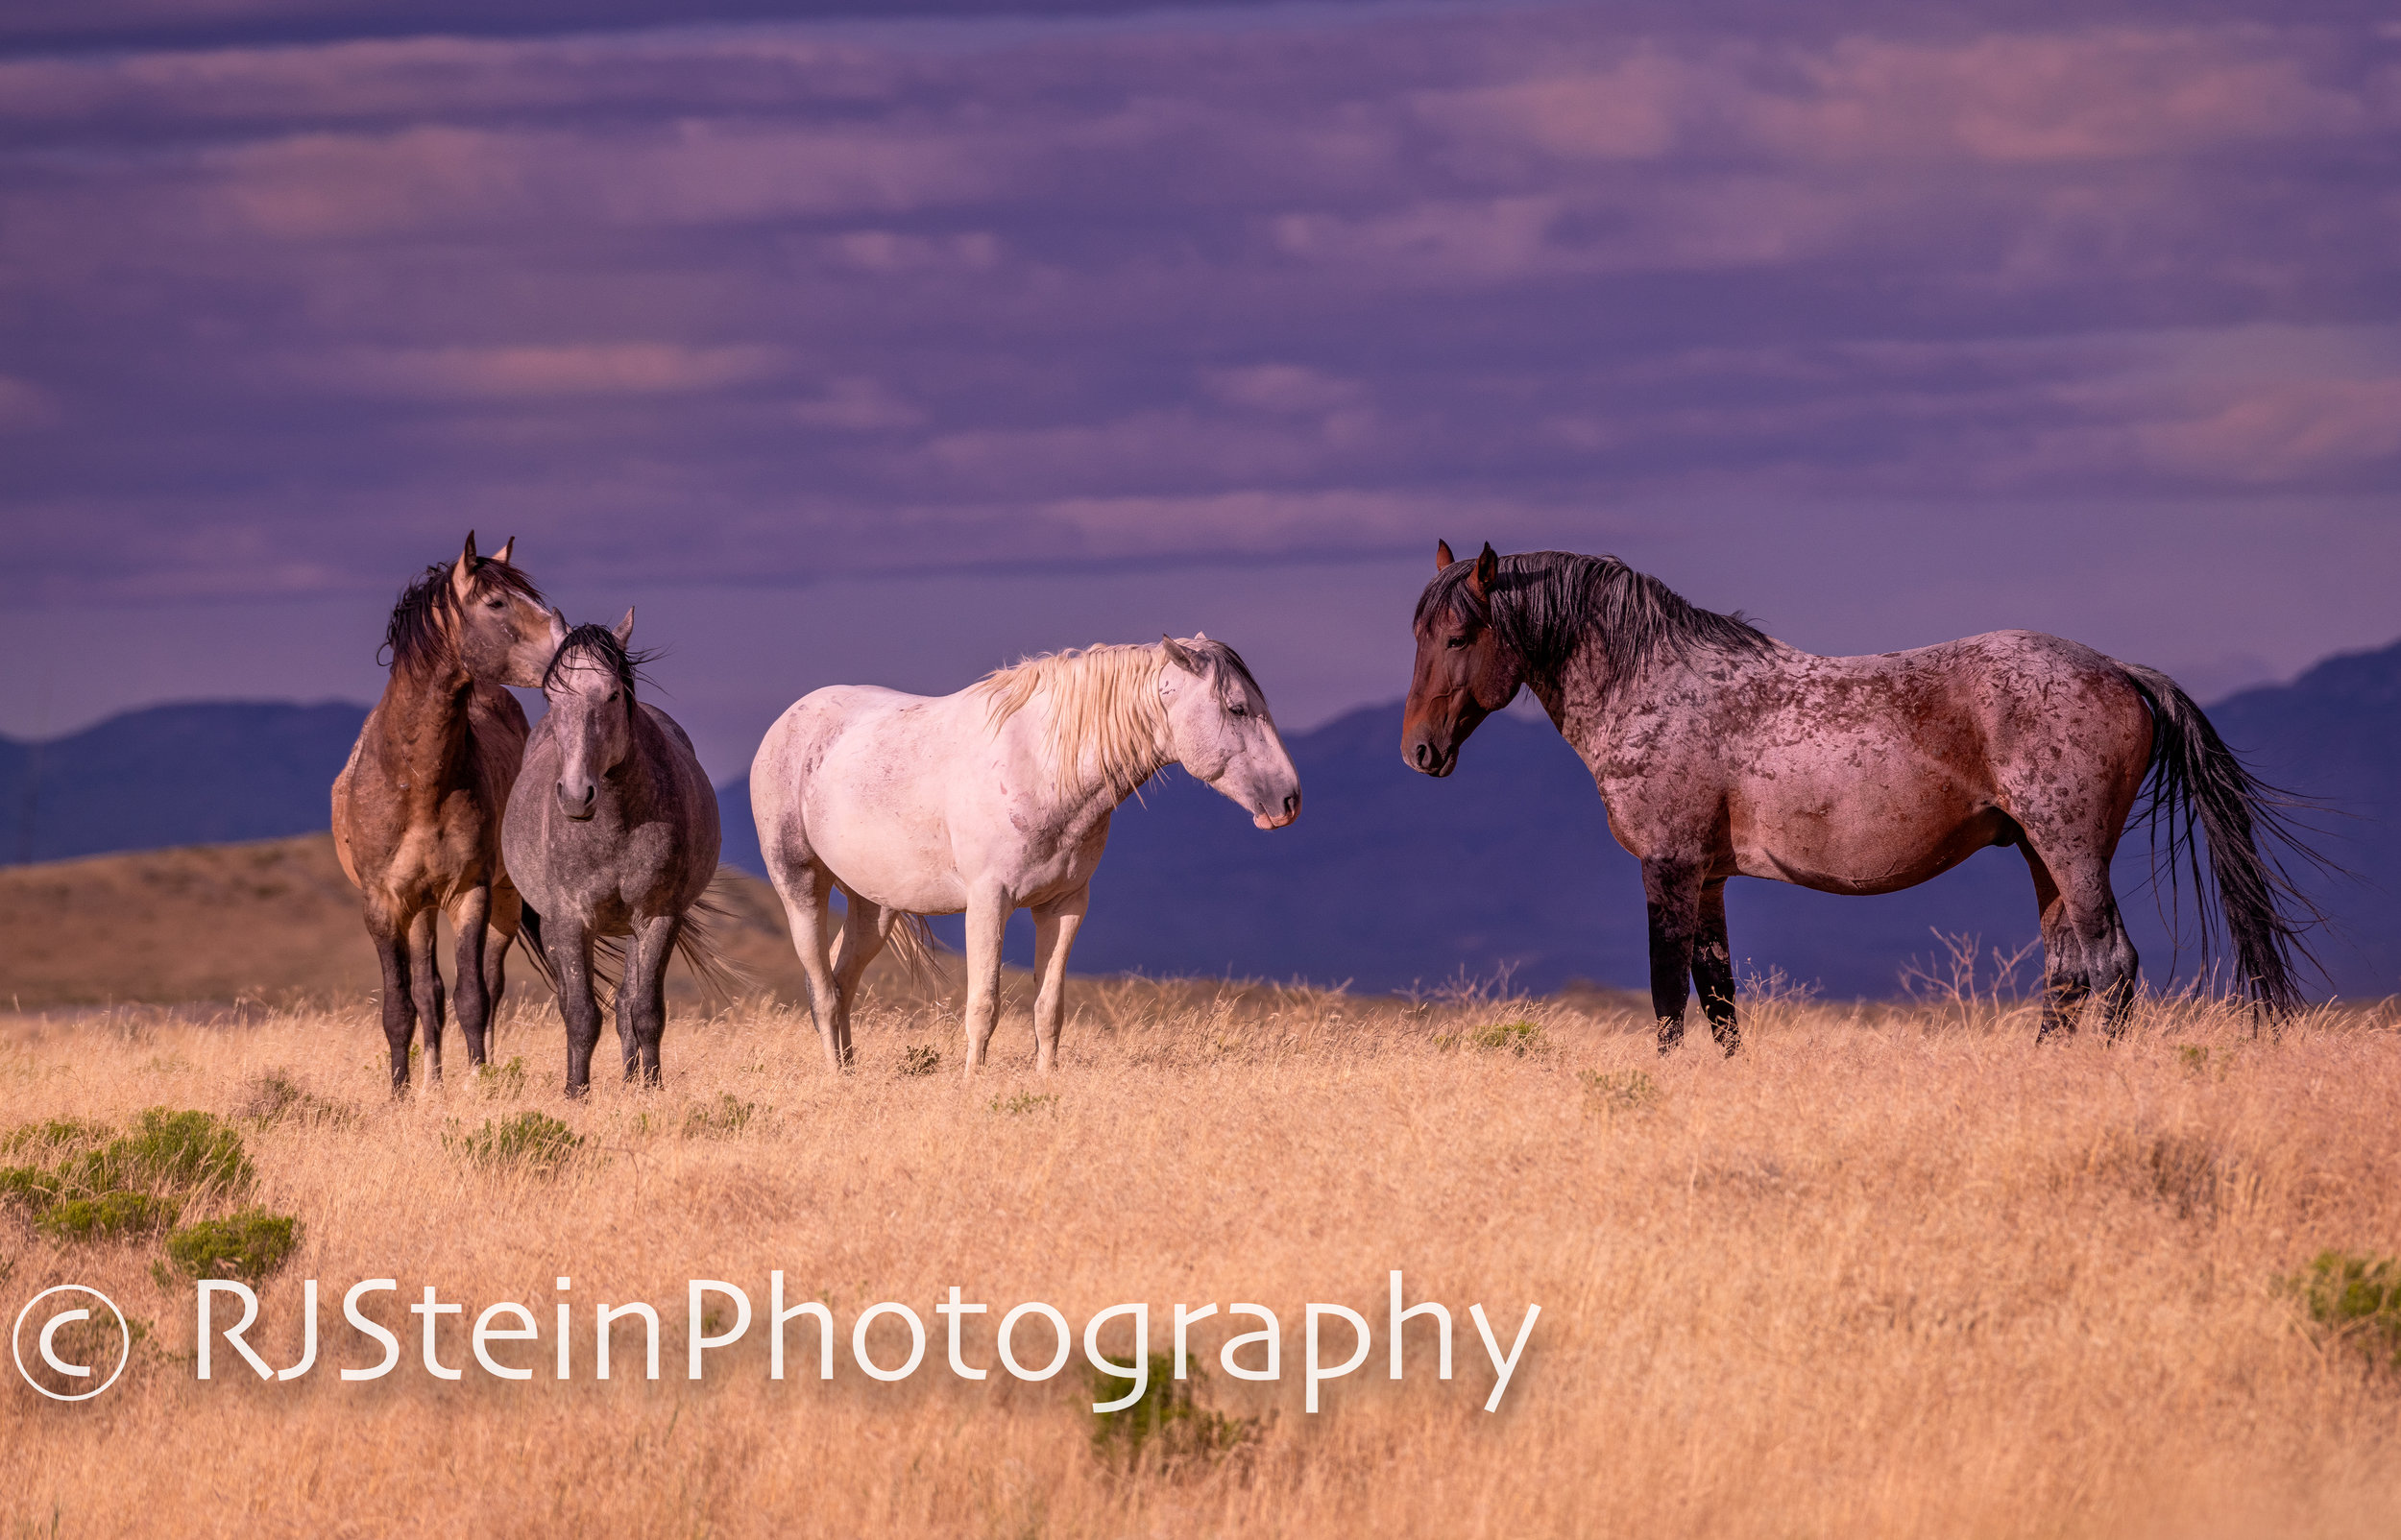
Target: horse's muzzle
580 811
1422 755
1278 819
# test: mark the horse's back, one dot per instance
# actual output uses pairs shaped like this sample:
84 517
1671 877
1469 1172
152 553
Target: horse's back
858 778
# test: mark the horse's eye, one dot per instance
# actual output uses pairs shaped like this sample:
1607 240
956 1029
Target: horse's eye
1238 710
1456 643
612 697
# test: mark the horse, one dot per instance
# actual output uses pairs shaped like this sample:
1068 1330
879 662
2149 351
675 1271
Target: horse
1721 752
612 833
417 808
990 800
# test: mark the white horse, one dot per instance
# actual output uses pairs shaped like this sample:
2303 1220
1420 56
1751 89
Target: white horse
994 798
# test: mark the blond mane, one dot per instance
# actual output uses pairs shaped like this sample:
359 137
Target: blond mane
1105 716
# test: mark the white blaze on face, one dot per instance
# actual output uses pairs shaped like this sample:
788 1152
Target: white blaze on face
1224 735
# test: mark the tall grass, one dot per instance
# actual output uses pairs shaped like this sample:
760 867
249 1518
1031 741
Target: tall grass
1893 1271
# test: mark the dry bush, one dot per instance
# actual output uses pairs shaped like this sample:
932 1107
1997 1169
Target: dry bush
1891 1271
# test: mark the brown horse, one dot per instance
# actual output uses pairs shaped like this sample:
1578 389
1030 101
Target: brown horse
417 809
1723 753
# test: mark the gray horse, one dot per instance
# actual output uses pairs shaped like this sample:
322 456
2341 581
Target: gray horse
612 837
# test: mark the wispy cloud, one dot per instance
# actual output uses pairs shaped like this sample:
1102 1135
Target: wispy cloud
1299 282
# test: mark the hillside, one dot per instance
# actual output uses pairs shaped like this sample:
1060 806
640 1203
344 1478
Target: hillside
1388 880
198 772
273 921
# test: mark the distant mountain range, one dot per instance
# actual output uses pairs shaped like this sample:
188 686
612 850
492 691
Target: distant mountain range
1388 880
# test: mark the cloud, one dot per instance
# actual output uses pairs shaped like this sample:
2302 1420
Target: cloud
936 296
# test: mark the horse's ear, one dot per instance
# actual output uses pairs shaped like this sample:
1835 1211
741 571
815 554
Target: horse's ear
463 572
502 555
1442 559
1199 636
558 630
1176 655
1487 568
624 629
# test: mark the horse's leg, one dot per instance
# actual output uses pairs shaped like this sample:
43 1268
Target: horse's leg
475 1003
863 929
987 918
400 1006
507 918
806 893
2110 953
569 948
1713 968
2065 982
1672 891
1054 926
425 978
641 1000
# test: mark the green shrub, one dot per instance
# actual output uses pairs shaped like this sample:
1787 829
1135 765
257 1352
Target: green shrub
502 1082
56 1137
1165 1422
1022 1104
248 1245
2357 1299
919 1059
533 1141
110 1217
29 1189
1520 1038
178 1152
727 1116
1608 1093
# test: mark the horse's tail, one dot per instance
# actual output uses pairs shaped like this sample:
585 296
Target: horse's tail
912 942
2196 782
697 943
530 927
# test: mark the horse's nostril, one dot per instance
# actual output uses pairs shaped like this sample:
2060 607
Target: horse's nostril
1425 754
1292 804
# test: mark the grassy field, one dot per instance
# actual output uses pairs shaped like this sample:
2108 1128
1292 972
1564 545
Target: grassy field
1891 1272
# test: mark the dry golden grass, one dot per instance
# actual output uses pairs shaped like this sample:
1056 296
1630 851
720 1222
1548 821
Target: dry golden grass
1890 1272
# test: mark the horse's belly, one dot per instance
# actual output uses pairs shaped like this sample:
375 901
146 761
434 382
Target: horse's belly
1856 847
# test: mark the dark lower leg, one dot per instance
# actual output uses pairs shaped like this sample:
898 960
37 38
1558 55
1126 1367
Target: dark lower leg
1673 897
642 1004
399 1010
570 960
1714 969
2064 984
425 975
474 1005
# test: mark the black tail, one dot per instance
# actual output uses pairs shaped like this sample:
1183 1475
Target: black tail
695 942
530 927
2196 782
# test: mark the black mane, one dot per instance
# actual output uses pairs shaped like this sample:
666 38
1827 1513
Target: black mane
619 660
415 634
1545 604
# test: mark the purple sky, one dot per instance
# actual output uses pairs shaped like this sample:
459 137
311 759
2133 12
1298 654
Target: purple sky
889 350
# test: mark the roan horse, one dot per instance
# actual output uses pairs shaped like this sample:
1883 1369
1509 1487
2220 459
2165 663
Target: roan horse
994 798
1722 753
417 809
612 833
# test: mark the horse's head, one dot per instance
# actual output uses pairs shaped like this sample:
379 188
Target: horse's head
1218 718
1464 671
590 685
498 624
